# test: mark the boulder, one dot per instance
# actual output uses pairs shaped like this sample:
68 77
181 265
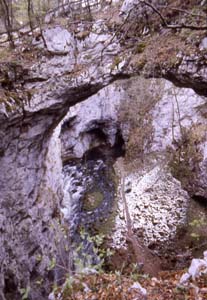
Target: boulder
59 40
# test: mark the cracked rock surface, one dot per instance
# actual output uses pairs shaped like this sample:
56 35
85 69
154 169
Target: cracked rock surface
30 227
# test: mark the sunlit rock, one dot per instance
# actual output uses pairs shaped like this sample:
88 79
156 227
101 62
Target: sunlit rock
59 40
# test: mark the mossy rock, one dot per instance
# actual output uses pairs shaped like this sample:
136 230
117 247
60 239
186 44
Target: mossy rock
92 200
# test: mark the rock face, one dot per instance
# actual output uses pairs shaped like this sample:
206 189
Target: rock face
180 123
29 214
191 73
91 124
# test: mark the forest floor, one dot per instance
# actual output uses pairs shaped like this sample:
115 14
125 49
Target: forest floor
104 286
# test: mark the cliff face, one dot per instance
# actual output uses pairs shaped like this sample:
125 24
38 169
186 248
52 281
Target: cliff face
36 93
34 102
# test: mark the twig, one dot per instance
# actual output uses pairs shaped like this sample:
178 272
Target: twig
179 116
184 11
173 121
115 33
172 26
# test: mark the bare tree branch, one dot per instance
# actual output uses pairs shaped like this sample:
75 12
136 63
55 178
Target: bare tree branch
172 26
184 11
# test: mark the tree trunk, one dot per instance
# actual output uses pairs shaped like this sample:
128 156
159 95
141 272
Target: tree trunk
30 14
7 9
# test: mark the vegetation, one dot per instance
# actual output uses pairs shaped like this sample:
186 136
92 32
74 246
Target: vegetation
135 115
117 286
92 200
187 155
84 260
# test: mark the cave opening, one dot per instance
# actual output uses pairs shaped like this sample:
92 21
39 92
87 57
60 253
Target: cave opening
105 151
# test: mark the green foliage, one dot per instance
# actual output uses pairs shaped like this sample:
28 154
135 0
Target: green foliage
140 47
52 264
195 235
136 272
25 293
83 260
68 285
196 223
197 226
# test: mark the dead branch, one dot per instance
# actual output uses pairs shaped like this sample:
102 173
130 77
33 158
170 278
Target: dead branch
183 11
179 115
115 33
172 26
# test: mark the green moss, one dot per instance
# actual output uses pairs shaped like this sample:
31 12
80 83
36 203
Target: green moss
92 200
108 224
140 47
